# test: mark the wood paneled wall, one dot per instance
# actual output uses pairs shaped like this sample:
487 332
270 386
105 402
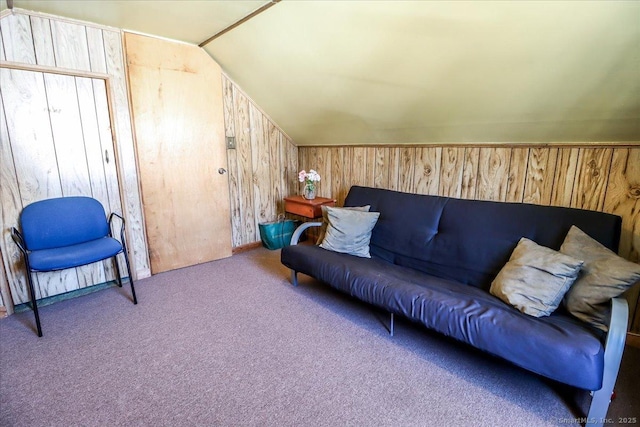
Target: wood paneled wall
58 45
262 168
602 178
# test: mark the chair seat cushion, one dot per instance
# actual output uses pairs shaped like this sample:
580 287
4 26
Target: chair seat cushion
74 255
559 346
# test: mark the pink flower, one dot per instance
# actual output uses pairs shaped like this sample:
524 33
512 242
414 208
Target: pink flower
308 177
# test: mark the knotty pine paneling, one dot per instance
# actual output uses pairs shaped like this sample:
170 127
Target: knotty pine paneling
244 170
450 172
540 173
493 174
517 174
12 264
591 179
470 172
602 178
2 55
262 169
5 309
564 177
427 163
17 38
125 150
43 44
35 172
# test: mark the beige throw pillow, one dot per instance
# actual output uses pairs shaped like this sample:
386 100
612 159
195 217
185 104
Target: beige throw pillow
604 275
325 220
349 231
535 279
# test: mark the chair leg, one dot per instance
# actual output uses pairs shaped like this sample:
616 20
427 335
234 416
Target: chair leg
118 276
34 304
126 260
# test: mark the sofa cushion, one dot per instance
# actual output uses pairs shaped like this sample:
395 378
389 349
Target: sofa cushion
325 219
604 275
349 231
535 278
562 347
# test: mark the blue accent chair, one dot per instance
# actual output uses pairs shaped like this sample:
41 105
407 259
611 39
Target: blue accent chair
67 232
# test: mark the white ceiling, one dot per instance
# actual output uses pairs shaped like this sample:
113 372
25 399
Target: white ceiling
184 20
394 72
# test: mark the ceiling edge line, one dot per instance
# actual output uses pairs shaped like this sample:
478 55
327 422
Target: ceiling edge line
240 22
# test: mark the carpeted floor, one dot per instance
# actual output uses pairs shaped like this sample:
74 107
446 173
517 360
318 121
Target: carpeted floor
232 343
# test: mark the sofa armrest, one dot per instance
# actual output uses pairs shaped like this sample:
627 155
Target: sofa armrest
295 238
614 346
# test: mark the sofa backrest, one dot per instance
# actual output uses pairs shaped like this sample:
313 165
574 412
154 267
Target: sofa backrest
469 240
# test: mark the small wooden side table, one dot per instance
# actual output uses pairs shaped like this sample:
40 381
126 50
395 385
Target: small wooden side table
298 205
308 210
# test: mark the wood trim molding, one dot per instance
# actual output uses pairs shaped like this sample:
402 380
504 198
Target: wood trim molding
145 272
557 144
240 22
54 70
244 248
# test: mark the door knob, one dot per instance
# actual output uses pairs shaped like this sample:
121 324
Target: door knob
222 171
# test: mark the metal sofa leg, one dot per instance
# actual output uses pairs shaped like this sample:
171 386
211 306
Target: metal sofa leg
391 325
294 278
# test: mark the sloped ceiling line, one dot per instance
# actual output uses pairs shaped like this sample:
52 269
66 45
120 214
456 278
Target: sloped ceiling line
238 22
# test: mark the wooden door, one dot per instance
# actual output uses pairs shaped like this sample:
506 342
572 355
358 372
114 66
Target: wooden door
176 93
55 140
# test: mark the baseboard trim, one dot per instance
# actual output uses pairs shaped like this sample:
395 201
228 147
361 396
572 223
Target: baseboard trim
247 247
143 274
68 295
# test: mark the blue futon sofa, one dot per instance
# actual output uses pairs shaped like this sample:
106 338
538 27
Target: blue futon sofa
433 260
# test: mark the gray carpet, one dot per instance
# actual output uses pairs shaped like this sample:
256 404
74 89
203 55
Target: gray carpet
232 343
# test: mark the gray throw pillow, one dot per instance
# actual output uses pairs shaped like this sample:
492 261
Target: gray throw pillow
604 275
349 231
535 279
325 220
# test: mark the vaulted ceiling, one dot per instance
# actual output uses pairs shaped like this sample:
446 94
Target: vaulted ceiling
396 72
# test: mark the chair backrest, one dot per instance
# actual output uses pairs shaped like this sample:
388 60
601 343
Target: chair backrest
63 221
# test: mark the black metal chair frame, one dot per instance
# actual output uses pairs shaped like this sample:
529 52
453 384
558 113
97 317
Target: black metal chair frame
18 239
